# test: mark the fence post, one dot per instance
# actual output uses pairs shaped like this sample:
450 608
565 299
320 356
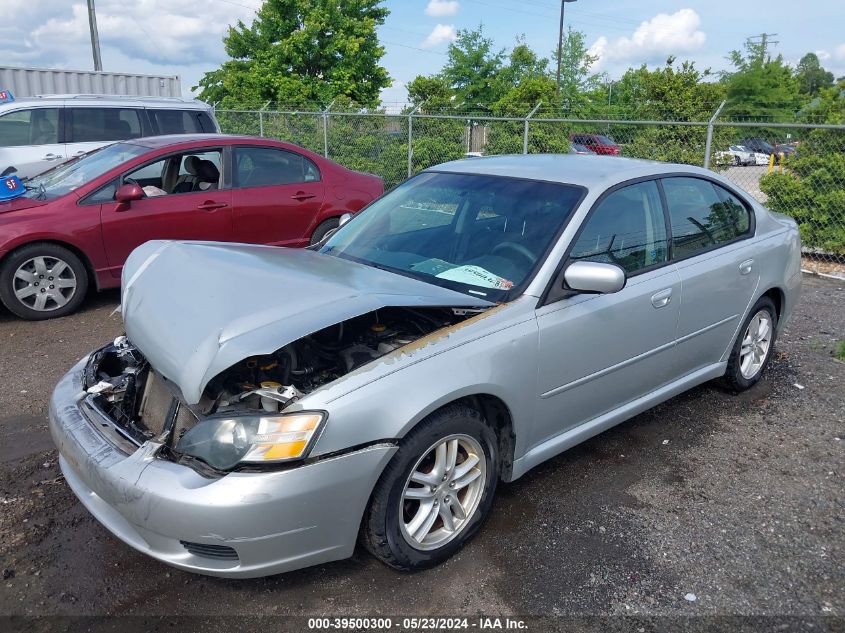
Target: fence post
709 142
525 132
411 139
326 129
261 119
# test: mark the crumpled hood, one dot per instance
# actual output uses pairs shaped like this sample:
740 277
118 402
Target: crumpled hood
195 309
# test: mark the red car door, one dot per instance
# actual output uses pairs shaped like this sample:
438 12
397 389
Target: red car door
180 205
277 196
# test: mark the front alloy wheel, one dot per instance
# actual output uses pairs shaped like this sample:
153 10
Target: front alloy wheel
442 492
435 492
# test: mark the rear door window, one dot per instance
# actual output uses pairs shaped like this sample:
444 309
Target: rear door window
36 126
266 166
703 215
177 121
104 124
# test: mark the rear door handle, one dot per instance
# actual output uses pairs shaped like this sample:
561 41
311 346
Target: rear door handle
301 195
211 206
662 298
746 267
52 157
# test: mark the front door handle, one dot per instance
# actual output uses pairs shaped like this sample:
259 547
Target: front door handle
209 205
301 195
746 267
662 298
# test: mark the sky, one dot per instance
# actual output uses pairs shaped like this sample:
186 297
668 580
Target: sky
177 37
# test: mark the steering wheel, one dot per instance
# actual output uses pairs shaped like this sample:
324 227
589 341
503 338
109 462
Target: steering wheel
517 248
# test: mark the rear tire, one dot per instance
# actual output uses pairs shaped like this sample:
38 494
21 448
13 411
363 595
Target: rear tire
323 228
412 525
42 281
753 346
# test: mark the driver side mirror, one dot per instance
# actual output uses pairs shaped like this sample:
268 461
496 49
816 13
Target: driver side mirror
128 193
595 277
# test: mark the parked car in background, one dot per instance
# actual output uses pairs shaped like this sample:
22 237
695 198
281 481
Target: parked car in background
481 318
759 145
40 132
597 143
577 148
737 155
75 225
786 150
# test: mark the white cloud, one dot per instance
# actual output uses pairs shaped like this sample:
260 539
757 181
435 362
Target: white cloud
440 34
439 8
145 36
839 53
823 55
662 35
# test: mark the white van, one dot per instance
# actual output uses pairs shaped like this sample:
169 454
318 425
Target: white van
38 133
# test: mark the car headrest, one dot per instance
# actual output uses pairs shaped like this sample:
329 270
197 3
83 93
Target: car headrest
192 164
207 172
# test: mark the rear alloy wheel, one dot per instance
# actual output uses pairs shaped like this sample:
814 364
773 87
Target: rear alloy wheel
753 347
436 491
323 228
42 281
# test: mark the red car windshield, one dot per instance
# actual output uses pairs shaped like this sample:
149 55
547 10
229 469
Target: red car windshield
70 176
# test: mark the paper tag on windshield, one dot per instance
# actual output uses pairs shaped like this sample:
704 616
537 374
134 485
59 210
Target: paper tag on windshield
476 276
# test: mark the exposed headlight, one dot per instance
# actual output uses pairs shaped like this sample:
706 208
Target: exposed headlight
226 442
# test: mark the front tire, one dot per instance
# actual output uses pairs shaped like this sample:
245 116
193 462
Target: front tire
753 346
42 281
436 491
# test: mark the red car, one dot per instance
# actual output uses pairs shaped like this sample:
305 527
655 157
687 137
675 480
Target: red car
76 224
598 143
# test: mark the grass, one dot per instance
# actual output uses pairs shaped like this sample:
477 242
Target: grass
839 352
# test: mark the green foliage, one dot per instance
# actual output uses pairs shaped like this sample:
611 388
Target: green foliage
473 68
761 87
302 51
576 79
812 190
812 78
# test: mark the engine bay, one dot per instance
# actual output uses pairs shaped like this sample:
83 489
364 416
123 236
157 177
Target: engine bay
146 405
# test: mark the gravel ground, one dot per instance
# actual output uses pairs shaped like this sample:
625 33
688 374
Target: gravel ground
735 501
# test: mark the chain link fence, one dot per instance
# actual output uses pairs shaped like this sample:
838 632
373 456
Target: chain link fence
795 169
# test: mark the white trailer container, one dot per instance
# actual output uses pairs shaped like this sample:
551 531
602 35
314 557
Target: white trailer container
29 82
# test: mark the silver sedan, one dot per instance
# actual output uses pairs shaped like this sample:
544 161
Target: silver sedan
268 407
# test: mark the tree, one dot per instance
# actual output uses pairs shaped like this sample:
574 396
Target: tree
576 79
811 76
302 51
761 87
473 68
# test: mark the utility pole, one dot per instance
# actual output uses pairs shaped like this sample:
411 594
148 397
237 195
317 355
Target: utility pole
560 44
95 37
764 43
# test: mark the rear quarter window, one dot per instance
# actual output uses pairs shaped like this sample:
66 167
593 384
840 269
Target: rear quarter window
177 121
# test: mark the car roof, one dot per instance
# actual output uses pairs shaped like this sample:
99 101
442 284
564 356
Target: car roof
583 170
177 140
108 100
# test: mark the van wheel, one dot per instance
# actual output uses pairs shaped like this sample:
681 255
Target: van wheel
436 491
753 347
323 228
42 281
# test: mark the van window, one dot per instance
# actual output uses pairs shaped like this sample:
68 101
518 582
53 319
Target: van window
36 126
206 123
176 121
104 124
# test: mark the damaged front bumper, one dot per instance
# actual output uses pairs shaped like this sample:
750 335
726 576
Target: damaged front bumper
237 525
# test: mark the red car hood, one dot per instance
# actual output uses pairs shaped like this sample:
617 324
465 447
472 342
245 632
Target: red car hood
20 203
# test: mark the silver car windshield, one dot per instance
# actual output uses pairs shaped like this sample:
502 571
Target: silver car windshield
478 234
72 175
